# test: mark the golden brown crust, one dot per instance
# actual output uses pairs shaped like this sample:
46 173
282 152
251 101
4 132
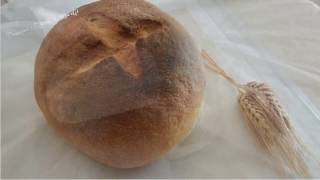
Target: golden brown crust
121 80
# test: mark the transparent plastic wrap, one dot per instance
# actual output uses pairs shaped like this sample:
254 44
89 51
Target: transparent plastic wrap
276 42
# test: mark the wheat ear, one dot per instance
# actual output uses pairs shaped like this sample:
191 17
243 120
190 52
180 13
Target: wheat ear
269 122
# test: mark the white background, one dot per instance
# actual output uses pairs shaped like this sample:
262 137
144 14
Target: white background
274 41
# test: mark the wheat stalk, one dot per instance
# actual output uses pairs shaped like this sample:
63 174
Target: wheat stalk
269 122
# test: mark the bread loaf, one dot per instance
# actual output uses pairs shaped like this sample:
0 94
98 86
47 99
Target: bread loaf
121 80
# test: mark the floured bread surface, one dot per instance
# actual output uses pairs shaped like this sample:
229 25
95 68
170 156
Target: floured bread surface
121 80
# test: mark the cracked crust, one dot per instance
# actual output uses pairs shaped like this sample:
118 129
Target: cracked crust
121 81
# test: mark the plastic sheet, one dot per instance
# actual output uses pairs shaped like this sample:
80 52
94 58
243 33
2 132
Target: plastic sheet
276 42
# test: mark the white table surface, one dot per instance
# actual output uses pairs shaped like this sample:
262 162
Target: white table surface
274 41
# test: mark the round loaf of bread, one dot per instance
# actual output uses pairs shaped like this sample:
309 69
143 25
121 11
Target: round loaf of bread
121 80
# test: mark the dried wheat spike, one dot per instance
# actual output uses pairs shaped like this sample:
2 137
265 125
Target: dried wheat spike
271 125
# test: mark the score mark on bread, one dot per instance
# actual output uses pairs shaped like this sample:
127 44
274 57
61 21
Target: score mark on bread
119 42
